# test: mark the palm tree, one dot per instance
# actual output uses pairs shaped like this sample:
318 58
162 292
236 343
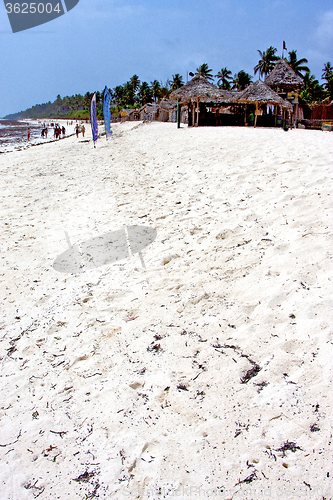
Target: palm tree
204 71
312 91
267 61
128 97
155 89
223 78
327 73
165 90
328 76
135 82
296 65
241 80
177 82
118 93
144 93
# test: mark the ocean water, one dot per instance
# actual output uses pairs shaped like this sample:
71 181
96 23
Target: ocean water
14 133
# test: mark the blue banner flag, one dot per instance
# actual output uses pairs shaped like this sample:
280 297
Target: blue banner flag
107 112
93 118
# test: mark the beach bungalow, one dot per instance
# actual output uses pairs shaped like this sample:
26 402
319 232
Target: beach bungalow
167 110
284 81
268 107
209 105
164 111
201 97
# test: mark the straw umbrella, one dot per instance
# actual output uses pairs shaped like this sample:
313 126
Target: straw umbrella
197 90
259 93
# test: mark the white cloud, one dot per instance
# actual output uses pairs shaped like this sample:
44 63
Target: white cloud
324 32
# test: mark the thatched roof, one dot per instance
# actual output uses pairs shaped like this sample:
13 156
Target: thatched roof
199 89
260 93
154 107
167 104
225 97
283 75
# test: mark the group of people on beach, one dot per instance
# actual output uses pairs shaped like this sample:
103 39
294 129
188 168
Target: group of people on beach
58 131
79 129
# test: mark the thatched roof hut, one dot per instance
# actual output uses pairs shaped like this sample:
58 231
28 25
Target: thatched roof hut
197 89
260 93
200 90
161 111
167 104
283 77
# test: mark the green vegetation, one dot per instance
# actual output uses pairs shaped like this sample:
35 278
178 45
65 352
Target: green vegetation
312 92
241 80
223 79
134 94
267 61
296 64
204 71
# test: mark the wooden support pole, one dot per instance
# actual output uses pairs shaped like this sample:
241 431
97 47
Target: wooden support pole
178 114
197 123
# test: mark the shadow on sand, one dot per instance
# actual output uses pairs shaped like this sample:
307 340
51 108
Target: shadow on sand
105 249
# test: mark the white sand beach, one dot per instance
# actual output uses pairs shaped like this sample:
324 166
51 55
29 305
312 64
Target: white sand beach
199 368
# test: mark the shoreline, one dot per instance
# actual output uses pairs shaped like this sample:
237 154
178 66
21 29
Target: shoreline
25 144
19 143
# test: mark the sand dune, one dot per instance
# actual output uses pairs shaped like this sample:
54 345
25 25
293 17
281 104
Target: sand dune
197 368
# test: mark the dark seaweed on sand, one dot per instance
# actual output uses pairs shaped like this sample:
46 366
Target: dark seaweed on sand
182 387
249 479
288 446
250 374
154 347
85 477
261 385
314 428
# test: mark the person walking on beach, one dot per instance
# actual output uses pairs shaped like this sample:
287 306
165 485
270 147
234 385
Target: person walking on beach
29 133
77 130
83 129
63 131
46 131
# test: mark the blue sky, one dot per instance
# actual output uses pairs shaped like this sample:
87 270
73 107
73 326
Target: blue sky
105 42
